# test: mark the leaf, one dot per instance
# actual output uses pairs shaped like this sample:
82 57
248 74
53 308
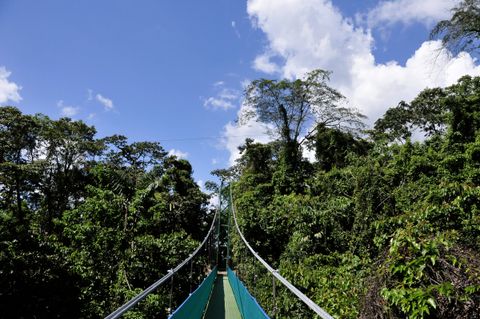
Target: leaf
431 301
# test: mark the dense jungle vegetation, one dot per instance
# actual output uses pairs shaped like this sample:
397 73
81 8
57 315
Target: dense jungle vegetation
379 226
384 223
87 223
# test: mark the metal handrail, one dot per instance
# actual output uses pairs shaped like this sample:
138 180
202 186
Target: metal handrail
312 305
132 302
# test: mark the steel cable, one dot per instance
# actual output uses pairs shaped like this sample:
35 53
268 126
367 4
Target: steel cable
312 305
124 308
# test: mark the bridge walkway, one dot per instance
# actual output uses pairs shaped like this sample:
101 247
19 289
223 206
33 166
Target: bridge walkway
222 304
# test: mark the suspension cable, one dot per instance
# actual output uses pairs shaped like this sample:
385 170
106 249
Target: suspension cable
312 305
124 308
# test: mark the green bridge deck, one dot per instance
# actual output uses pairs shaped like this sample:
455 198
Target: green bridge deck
222 302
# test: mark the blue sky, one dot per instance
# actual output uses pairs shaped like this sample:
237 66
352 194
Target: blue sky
173 71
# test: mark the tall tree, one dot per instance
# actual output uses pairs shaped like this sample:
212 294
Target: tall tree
427 112
18 139
295 108
69 148
462 31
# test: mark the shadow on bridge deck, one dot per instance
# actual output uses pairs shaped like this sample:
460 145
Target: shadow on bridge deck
222 304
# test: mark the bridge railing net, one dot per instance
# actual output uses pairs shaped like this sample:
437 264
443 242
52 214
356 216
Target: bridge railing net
167 293
247 304
194 305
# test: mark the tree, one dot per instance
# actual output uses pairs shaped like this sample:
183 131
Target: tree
18 139
295 108
256 157
394 124
462 31
332 147
86 223
69 147
427 112
462 100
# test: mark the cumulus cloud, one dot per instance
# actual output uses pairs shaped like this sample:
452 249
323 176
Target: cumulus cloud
67 110
408 11
224 99
234 134
376 87
264 64
106 102
9 91
309 34
178 153
303 35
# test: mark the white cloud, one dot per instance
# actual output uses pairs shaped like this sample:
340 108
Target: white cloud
201 184
303 35
309 34
218 103
225 99
263 63
245 83
89 94
67 110
376 87
234 26
214 201
9 91
309 154
234 135
178 153
106 102
408 11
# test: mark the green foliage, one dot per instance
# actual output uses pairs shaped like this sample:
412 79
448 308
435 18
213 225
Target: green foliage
380 229
290 108
333 146
374 229
335 281
86 223
462 31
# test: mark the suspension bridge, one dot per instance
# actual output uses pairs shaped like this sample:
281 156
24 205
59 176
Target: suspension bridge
221 294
